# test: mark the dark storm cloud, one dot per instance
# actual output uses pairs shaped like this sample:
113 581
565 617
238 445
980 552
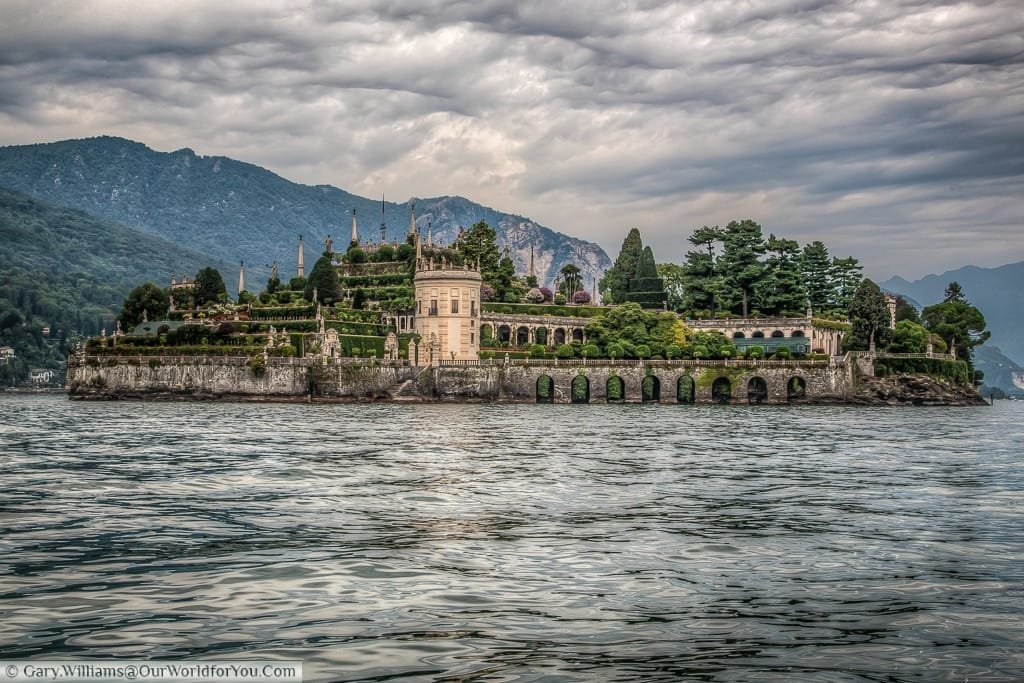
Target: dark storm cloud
839 121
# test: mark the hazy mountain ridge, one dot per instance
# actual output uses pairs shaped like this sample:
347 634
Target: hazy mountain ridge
238 211
999 295
66 270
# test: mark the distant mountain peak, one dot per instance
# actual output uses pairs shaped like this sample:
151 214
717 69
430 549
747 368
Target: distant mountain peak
235 211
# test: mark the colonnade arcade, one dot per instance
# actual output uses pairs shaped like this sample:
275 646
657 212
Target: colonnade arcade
522 330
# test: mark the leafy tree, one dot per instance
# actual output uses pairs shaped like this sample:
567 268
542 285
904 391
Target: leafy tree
355 254
909 337
958 323
904 311
616 279
297 284
869 317
324 280
816 265
581 296
145 299
565 351
209 288
709 345
740 263
622 329
673 276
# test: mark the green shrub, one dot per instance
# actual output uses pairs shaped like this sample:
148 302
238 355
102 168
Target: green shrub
565 351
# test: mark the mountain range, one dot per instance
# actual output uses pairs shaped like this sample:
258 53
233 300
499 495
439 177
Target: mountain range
235 211
999 295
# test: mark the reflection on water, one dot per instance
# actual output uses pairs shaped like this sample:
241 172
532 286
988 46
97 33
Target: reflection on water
563 543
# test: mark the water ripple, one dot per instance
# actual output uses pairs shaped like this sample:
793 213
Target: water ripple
518 543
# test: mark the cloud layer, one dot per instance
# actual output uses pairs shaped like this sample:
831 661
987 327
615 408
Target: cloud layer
893 131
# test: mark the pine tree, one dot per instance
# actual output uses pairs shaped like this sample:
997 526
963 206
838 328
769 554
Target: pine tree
702 285
782 290
740 263
845 274
816 264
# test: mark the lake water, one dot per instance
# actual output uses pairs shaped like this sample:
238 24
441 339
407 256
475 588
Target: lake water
518 543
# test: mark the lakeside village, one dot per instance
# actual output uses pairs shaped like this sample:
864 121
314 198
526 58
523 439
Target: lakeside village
743 319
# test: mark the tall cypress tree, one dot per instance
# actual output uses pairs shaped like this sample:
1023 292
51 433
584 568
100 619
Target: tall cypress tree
616 279
323 279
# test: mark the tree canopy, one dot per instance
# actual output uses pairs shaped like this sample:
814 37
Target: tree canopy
146 300
324 280
958 323
209 288
869 317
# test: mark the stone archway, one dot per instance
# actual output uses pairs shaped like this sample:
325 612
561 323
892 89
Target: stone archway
721 390
545 389
615 389
650 389
540 336
559 336
504 334
522 336
796 388
577 335
757 390
685 389
580 389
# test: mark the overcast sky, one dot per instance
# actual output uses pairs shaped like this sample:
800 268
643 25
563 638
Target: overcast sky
891 130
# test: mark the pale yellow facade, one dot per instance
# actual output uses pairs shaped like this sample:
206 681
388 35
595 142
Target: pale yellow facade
447 312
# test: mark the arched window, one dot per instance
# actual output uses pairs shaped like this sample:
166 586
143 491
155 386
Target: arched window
738 335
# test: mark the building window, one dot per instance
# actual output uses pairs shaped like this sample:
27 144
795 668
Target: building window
455 305
419 308
471 336
472 308
433 307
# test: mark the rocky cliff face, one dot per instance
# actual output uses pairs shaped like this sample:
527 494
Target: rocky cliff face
920 390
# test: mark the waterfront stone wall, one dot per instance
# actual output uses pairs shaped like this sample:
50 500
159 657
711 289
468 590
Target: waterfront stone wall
197 377
732 382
